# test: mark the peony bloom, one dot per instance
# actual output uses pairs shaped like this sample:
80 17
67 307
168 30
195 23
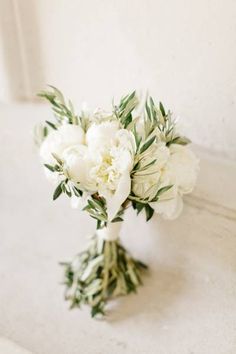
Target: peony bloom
176 166
170 204
180 171
78 163
111 151
183 167
58 140
102 134
147 181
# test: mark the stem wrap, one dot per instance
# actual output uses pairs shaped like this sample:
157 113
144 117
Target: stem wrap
111 232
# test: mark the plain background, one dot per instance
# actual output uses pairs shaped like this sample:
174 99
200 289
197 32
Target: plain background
183 52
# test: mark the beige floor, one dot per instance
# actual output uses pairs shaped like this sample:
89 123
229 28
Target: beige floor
186 306
9 347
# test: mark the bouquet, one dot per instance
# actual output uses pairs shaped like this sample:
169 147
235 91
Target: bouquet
106 162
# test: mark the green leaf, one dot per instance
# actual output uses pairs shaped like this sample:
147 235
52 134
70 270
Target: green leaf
95 215
97 206
146 166
96 310
68 192
139 207
63 112
99 224
161 191
51 125
128 120
147 144
57 191
152 102
100 201
57 158
118 219
125 100
136 166
138 138
181 140
77 191
148 111
141 264
58 94
125 108
153 109
162 109
149 212
48 96
45 131
50 167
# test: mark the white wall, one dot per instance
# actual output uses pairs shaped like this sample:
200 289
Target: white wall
183 52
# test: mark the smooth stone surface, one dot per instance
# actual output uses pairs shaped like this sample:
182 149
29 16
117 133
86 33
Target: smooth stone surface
186 306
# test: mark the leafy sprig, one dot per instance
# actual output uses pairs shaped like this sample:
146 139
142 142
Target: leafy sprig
156 118
123 111
103 271
63 111
96 208
66 185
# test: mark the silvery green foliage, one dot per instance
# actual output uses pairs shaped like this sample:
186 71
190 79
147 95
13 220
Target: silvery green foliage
103 271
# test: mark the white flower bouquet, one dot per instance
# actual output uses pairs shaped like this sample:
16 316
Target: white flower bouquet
106 162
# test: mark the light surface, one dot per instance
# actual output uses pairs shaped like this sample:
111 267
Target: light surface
9 347
186 306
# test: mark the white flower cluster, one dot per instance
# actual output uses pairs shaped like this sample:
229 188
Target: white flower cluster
103 159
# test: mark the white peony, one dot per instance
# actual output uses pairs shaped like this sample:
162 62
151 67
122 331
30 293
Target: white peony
58 140
102 134
78 163
169 206
183 167
175 165
113 162
180 171
146 182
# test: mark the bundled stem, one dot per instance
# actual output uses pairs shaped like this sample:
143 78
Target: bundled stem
101 272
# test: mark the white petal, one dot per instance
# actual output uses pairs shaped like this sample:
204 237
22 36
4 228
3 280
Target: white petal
114 202
58 140
126 140
71 134
78 165
51 144
101 134
183 166
169 209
